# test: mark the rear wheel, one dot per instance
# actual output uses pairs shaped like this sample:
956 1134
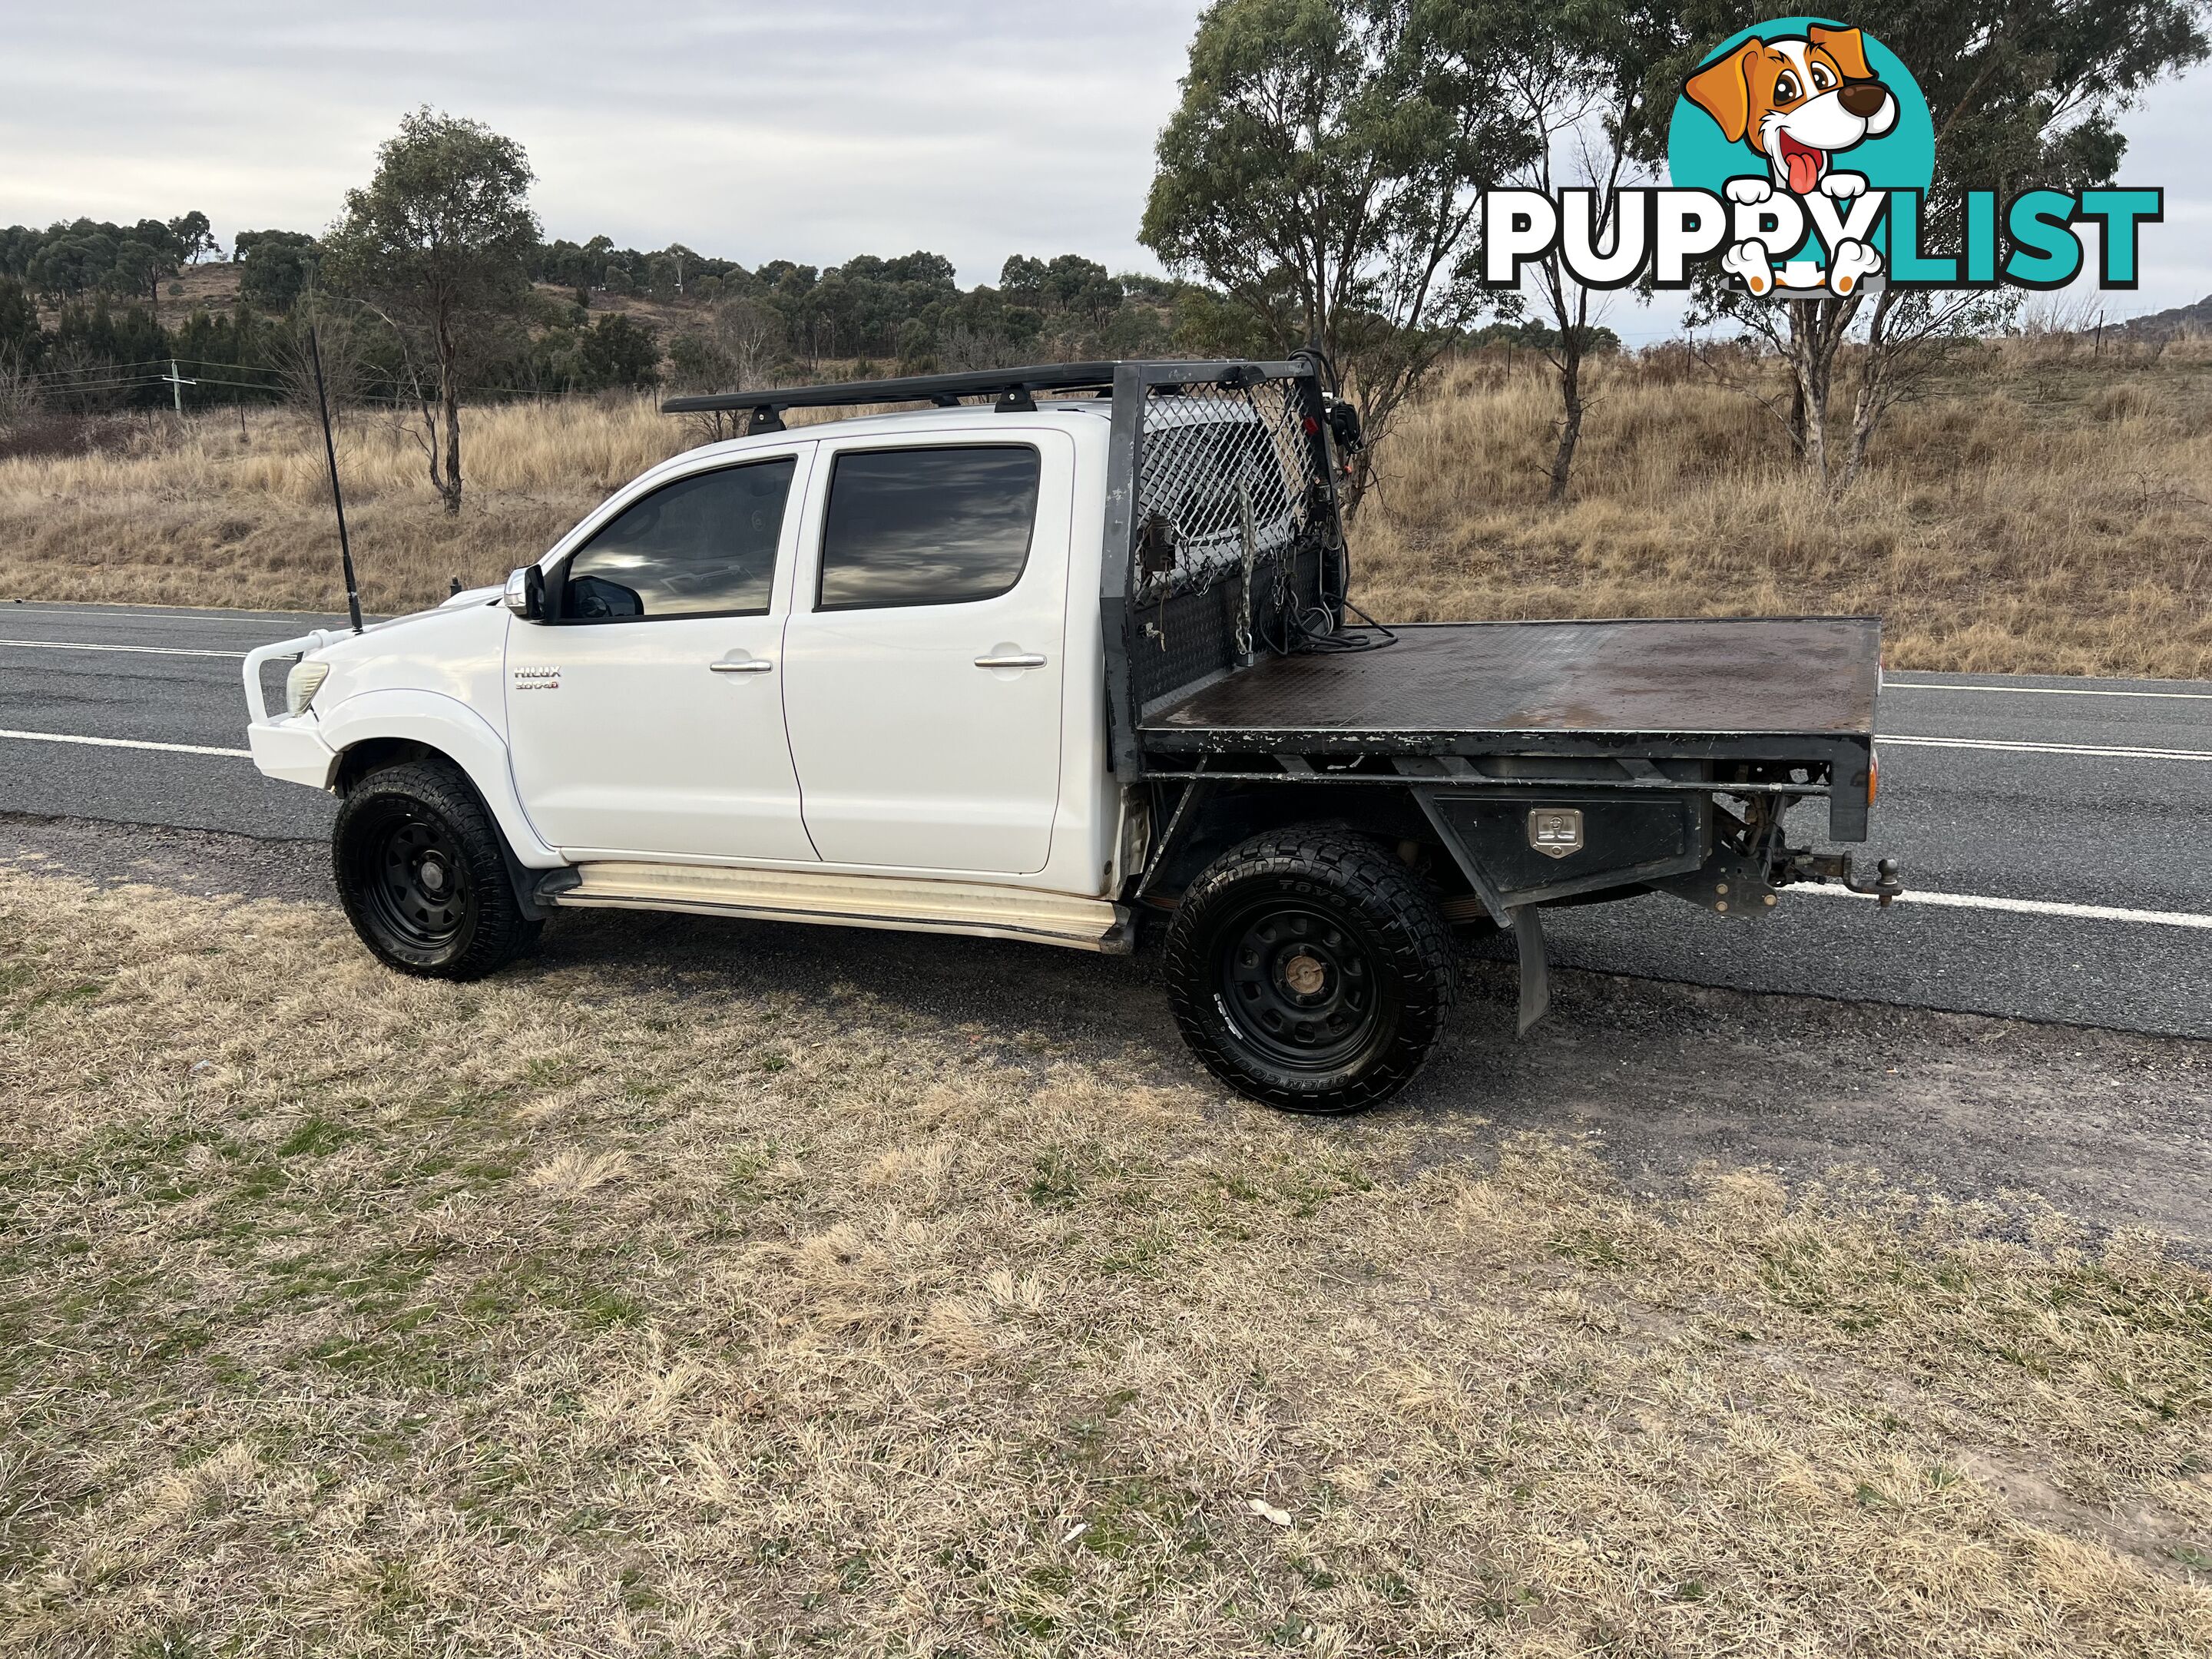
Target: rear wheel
423 874
1310 969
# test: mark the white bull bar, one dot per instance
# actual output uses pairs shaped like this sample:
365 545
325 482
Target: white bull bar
256 704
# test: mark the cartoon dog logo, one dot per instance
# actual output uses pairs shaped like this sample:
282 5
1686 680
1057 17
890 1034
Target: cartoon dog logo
1797 100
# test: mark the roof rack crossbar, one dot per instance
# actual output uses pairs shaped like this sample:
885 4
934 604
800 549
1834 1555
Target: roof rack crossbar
1015 389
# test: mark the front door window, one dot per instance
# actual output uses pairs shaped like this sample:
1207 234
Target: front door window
703 546
648 716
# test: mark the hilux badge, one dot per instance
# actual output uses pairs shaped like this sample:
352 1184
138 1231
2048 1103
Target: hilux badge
1555 832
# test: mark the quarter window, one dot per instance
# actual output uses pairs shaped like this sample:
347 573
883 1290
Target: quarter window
928 526
703 546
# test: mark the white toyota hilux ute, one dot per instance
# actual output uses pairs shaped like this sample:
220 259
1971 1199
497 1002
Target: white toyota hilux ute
1032 668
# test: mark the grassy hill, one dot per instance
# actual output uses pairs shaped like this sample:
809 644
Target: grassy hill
2177 321
2047 508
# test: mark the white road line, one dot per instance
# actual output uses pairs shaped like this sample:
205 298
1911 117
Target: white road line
2042 691
125 742
2047 748
2033 907
1959 901
141 650
226 618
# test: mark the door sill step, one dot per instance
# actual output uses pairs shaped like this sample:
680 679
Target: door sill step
900 903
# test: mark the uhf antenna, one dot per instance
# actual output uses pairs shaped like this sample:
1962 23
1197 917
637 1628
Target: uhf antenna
331 453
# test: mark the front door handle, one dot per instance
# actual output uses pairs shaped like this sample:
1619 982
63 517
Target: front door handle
747 666
1028 659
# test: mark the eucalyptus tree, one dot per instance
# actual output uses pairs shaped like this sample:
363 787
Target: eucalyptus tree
439 243
1325 172
1572 76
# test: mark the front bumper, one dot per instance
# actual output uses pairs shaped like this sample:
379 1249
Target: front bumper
291 747
287 746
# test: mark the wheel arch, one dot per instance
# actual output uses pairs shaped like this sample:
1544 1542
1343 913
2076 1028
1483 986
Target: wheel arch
379 729
1230 813
377 755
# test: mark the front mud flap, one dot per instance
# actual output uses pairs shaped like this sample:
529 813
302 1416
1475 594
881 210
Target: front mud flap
1535 972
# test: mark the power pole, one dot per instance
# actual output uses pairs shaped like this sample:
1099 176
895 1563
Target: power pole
177 384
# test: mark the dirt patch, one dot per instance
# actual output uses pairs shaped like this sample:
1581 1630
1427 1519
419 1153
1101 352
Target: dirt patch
196 862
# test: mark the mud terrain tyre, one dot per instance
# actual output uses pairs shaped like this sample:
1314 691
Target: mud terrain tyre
423 874
1311 970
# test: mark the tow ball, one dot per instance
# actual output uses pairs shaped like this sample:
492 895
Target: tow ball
1885 885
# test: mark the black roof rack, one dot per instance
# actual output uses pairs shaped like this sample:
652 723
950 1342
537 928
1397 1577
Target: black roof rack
1014 388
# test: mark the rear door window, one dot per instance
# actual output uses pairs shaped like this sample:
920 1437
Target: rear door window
702 546
928 526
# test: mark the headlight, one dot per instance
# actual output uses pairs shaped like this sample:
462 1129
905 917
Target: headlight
302 682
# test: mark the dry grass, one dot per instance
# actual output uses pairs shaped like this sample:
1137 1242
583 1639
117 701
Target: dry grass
2043 510
641 1302
2041 513
222 518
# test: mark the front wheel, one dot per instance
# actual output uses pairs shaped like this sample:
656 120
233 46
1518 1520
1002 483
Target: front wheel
1311 970
423 874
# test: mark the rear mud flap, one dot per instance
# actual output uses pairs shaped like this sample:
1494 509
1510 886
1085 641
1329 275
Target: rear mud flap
1535 972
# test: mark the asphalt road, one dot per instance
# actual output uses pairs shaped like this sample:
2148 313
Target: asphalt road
2057 833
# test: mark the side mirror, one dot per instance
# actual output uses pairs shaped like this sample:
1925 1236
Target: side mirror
525 593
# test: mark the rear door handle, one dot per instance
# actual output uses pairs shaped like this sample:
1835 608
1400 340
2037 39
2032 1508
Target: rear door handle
748 665
1028 660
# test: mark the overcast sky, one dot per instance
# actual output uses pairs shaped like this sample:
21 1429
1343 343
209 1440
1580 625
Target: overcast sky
751 131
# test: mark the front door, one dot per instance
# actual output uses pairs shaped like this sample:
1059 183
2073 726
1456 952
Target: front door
646 715
922 682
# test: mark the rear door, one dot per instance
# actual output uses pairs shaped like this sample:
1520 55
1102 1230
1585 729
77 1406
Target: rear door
924 656
647 717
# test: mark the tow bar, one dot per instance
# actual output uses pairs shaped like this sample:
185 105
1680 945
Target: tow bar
1884 884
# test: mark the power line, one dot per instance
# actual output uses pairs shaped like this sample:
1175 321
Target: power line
243 385
280 388
98 369
112 385
243 369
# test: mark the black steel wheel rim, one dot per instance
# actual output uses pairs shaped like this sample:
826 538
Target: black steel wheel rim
1296 986
415 882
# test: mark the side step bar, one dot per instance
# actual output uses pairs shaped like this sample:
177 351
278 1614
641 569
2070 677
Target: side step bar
900 903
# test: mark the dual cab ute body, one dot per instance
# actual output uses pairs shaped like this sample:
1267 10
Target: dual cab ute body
1037 668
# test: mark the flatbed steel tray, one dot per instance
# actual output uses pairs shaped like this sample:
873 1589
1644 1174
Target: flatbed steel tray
1759 687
